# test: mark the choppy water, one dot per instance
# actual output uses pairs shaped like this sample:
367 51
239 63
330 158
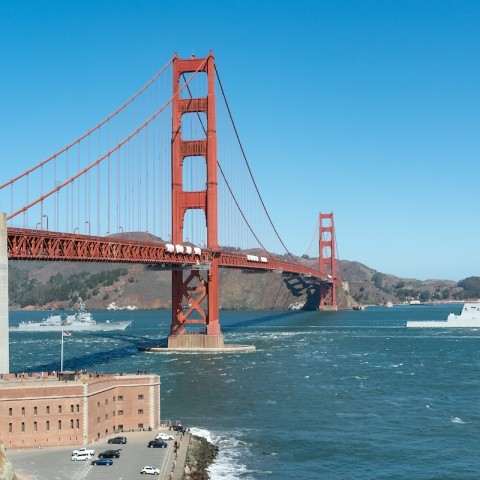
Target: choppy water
326 395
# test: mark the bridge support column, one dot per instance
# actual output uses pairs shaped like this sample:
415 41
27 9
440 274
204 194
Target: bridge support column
213 321
195 298
191 295
4 334
327 262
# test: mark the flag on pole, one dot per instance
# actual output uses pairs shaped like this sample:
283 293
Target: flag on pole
66 334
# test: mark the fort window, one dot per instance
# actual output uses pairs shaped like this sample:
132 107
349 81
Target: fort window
59 409
120 397
120 412
140 397
78 423
78 407
98 419
140 411
71 423
35 410
34 426
23 426
140 425
59 424
48 409
23 411
48 425
98 404
72 408
10 428
10 412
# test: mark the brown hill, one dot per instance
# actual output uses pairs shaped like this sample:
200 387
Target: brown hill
146 287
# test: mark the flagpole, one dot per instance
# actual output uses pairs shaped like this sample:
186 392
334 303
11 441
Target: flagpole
61 356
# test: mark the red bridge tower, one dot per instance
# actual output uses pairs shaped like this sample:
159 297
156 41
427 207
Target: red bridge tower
327 265
200 287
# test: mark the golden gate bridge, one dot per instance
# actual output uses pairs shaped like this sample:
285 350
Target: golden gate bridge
164 180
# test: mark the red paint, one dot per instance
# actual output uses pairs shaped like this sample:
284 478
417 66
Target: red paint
199 289
327 263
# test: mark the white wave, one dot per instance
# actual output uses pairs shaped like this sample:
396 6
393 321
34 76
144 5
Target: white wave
228 464
458 420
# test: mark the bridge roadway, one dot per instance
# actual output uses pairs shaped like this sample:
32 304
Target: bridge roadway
27 244
55 463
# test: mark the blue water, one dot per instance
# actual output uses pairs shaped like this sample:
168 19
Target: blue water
327 395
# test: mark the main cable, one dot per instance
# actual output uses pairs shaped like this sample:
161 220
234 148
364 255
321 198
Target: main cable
250 171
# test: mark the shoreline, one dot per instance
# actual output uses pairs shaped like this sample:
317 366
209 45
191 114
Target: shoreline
199 456
189 462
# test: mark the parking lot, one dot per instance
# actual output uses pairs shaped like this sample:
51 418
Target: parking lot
56 464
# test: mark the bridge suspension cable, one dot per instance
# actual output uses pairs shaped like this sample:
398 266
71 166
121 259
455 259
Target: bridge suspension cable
99 160
250 173
92 130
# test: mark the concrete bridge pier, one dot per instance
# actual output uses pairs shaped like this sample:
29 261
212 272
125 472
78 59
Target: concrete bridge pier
4 335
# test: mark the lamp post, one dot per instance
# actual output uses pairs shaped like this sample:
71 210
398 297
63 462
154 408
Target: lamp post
88 226
46 216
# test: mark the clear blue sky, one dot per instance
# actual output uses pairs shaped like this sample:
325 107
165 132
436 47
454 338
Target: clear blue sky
369 109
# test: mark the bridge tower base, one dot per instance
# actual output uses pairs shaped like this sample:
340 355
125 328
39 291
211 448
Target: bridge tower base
195 342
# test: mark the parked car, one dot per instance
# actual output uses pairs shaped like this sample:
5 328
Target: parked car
109 454
157 444
102 461
84 450
81 456
164 437
122 440
150 470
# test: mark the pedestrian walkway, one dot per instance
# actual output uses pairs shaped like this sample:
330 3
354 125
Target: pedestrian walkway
179 456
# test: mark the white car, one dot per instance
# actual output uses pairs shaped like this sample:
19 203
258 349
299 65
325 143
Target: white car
164 437
83 450
150 470
81 456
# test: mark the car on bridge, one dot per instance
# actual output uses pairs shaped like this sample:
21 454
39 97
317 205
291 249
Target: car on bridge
102 461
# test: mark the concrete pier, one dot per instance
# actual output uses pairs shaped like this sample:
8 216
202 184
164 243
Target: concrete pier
4 335
198 343
225 349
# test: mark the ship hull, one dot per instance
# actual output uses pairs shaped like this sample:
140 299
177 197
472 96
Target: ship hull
469 318
98 327
442 324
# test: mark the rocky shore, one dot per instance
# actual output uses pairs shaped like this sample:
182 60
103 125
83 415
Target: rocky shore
200 455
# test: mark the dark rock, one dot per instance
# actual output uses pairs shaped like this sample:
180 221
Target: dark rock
200 455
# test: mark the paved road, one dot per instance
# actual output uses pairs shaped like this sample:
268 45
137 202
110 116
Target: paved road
55 463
